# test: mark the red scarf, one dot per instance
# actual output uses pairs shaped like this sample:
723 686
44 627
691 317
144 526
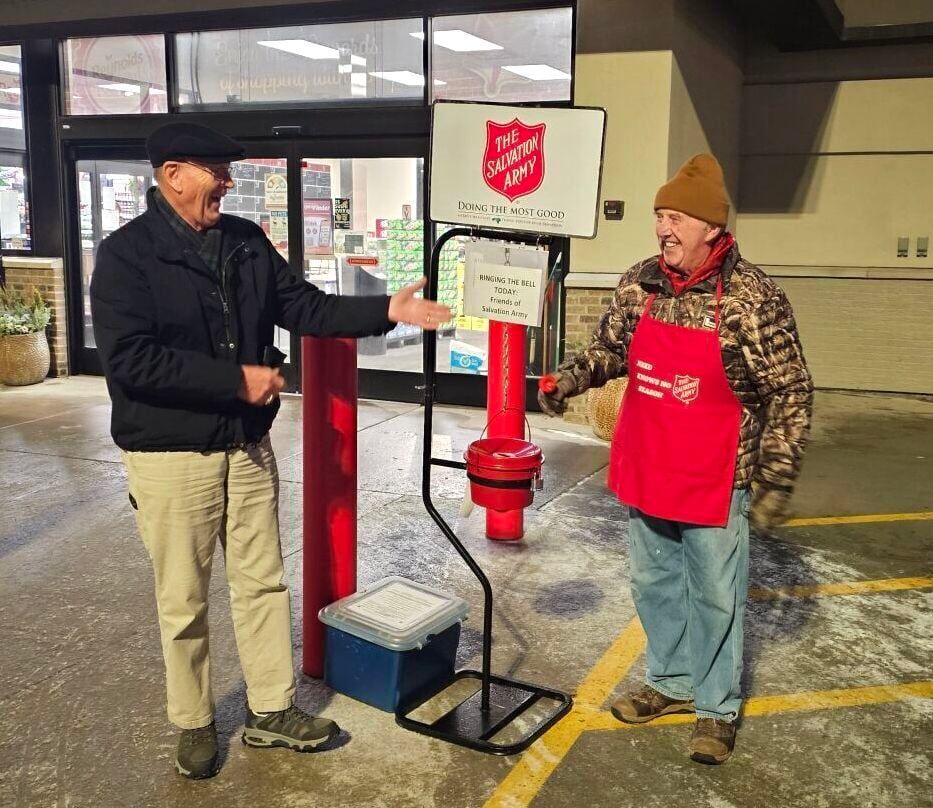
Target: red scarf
707 269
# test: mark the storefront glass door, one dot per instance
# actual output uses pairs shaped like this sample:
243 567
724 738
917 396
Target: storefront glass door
110 193
350 225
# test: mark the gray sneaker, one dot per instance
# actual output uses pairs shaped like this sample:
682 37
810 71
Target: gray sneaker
196 757
292 728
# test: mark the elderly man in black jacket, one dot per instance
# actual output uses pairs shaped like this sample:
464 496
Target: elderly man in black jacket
185 301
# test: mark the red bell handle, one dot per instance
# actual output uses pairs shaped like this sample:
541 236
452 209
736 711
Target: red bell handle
547 384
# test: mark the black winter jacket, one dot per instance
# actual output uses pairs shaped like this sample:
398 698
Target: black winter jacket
172 334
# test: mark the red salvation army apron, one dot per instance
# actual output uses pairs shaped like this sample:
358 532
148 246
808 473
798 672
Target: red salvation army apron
675 446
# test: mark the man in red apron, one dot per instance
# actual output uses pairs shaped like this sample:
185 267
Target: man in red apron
711 434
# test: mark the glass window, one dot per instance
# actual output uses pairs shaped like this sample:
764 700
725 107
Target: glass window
343 62
115 75
508 57
14 207
110 194
364 235
14 202
11 90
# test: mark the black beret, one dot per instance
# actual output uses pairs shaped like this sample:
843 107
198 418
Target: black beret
183 141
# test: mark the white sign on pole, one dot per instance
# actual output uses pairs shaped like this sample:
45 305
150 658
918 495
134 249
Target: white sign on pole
504 282
517 168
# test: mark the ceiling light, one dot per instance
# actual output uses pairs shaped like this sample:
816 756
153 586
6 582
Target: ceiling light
439 83
156 91
537 72
460 41
358 60
301 47
132 89
9 67
405 77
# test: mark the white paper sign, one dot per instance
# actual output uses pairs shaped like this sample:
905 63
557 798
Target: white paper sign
396 606
517 168
504 282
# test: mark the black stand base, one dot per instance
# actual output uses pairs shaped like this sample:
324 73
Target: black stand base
469 725
498 702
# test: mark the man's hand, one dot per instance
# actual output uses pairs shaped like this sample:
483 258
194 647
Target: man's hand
404 307
260 385
768 508
553 390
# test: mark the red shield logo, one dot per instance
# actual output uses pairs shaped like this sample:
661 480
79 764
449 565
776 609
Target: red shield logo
513 164
686 388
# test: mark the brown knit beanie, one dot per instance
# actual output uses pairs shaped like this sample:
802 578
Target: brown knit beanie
698 190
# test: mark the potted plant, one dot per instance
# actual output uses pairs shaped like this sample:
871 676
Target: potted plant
24 348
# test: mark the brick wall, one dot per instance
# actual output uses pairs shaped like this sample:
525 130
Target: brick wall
584 308
48 276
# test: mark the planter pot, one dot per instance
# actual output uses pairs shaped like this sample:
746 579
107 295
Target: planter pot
24 358
602 406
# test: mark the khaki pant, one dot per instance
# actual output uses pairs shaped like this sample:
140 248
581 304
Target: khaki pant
184 502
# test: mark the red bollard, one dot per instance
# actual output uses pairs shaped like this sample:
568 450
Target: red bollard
328 408
505 411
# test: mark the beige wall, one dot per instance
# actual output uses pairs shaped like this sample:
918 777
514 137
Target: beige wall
706 87
635 89
835 210
884 12
865 334
672 88
825 154
890 115
832 173
690 134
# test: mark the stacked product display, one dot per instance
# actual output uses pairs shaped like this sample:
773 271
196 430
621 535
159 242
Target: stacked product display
401 257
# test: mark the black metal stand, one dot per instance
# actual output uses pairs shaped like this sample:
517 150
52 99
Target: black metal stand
498 702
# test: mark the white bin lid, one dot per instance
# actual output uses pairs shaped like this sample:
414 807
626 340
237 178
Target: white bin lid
396 613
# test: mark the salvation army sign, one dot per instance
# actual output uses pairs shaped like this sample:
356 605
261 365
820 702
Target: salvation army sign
513 164
517 168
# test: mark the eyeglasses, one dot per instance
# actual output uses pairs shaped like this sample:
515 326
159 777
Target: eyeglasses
219 174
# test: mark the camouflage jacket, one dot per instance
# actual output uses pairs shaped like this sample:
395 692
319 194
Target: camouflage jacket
761 353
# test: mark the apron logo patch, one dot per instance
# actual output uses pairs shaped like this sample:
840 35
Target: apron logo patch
686 388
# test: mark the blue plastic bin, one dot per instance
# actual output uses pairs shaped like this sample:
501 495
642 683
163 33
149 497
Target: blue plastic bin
392 644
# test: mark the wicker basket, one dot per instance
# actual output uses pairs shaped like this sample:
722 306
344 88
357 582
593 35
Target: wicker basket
24 358
602 406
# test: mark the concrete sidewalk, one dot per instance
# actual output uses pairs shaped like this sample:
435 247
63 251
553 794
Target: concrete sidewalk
839 679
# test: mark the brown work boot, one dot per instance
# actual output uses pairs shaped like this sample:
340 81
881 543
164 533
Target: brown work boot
646 704
713 741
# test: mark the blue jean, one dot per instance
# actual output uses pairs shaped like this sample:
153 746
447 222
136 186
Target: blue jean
689 584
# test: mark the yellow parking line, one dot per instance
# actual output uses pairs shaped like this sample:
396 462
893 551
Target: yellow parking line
536 765
846 588
790 703
528 776
612 666
860 520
